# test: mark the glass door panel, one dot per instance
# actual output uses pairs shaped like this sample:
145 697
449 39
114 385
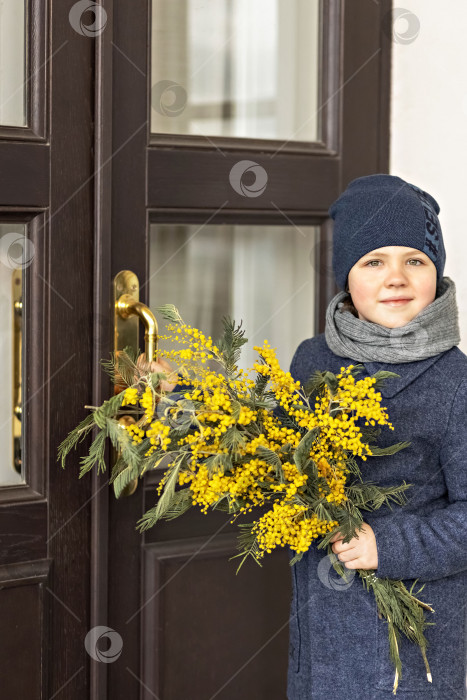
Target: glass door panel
237 68
13 62
15 255
263 276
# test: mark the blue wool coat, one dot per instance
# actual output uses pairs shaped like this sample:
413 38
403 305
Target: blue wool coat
339 648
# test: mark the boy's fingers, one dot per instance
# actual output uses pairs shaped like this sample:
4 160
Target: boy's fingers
141 361
337 536
160 366
163 363
159 362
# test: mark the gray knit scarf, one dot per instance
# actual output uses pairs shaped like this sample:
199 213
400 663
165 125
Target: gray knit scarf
434 330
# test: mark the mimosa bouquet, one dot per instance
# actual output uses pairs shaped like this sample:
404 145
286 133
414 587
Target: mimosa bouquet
235 441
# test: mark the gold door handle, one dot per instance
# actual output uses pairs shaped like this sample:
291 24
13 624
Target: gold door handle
128 312
127 306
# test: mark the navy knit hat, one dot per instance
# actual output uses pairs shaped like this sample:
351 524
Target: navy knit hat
381 210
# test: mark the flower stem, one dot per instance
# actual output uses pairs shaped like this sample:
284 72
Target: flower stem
395 602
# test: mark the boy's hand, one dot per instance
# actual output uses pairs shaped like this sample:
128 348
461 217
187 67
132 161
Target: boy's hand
160 365
361 553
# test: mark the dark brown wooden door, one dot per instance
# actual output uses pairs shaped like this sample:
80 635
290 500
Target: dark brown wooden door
91 608
46 197
191 627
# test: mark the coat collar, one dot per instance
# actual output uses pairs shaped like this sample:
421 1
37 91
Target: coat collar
408 371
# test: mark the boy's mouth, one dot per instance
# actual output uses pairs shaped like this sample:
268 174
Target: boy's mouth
396 301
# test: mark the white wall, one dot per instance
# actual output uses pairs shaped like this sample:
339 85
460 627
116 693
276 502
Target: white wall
429 121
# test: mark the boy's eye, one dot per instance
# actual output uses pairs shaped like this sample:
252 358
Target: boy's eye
416 260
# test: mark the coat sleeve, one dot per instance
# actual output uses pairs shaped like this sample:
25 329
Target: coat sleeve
432 546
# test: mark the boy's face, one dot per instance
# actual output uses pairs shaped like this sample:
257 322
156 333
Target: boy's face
388 272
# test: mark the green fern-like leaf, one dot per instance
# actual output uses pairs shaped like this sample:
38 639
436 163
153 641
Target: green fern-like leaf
314 384
181 502
381 376
108 409
148 520
296 558
126 365
230 343
357 369
248 545
118 467
168 494
226 505
122 441
269 456
126 361
77 435
389 450
349 519
109 365
219 462
369 496
170 313
233 439
95 456
302 452
261 382
128 474
369 434
331 381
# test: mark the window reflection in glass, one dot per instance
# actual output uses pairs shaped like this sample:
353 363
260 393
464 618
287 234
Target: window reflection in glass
237 68
13 92
263 276
15 255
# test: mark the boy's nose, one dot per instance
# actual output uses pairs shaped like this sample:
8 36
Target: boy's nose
396 274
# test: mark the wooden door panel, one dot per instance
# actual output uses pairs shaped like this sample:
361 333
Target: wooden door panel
15 160
208 633
236 626
171 172
23 532
24 611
